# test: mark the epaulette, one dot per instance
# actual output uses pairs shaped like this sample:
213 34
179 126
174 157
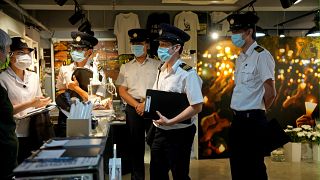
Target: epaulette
30 70
185 66
259 49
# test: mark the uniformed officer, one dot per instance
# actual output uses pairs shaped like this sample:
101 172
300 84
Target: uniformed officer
171 147
8 138
134 78
253 94
23 87
81 51
82 48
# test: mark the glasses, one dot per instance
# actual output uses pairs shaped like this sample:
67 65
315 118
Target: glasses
79 49
20 53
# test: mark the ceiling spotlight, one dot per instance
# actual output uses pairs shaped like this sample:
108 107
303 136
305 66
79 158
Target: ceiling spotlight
85 27
287 3
76 17
281 33
313 32
60 2
260 32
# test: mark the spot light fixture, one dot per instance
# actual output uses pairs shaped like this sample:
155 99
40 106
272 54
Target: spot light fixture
260 32
281 33
315 31
76 17
288 3
85 26
60 2
78 14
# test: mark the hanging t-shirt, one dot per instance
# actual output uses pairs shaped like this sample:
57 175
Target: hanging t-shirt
153 22
189 23
122 24
217 16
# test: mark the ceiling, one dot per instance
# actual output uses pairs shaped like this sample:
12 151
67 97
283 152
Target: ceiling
218 5
101 13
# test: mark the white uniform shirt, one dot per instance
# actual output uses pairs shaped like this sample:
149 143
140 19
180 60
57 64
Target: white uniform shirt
253 68
122 24
65 73
188 22
181 81
138 77
21 91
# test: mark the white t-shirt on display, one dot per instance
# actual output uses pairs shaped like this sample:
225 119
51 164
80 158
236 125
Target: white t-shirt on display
217 16
189 23
122 24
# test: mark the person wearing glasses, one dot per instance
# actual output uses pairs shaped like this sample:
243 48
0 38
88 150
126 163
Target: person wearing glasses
81 51
24 92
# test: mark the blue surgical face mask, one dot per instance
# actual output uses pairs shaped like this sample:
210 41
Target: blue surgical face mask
163 54
78 56
137 50
237 40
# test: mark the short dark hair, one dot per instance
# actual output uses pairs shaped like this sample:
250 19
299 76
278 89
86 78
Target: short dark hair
181 45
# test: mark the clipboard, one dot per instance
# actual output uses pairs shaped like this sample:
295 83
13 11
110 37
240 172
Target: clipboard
169 104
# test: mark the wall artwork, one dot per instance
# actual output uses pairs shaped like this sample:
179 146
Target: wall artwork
297 75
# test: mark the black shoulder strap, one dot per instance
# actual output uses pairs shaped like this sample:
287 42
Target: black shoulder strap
259 49
185 66
30 70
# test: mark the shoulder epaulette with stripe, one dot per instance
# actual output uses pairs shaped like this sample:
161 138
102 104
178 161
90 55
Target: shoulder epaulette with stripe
259 49
185 66
30 70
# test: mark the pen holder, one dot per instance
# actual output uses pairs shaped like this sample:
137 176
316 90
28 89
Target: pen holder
78 127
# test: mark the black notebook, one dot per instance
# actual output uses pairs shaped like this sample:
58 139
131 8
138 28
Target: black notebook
169 104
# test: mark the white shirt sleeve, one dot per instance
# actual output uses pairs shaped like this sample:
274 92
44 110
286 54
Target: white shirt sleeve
176 20
137 21
121 80
116 26
62 79
266 66
193 88
197 22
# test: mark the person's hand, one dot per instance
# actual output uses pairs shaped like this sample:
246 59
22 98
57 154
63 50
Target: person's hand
163 121
40 101
305 120
140 109
73 84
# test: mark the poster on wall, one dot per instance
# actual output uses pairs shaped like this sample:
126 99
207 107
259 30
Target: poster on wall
297 75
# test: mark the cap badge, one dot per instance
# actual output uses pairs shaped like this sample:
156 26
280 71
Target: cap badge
78 38
22 40
135 35
160 31
231 21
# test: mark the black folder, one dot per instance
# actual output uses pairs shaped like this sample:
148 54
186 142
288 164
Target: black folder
169 104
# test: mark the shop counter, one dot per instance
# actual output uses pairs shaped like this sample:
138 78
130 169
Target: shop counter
79 157
66 158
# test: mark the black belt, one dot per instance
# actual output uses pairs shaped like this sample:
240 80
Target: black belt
249 113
